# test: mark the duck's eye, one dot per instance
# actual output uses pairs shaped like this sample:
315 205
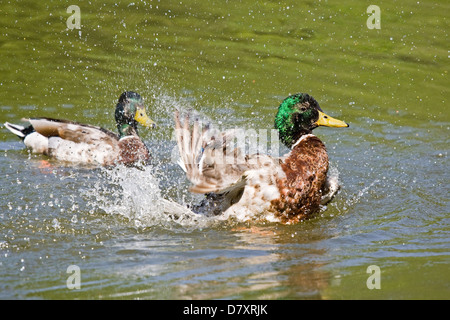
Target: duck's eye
303 108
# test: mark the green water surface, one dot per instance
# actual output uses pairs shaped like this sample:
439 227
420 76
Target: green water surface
232 61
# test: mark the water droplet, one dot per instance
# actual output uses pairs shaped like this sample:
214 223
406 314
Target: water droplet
56 224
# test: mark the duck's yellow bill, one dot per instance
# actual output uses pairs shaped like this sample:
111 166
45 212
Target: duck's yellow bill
142 118
327 121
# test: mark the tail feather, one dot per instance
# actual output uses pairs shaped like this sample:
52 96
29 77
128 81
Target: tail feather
19 130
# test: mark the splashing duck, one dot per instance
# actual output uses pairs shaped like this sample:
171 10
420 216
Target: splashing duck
288 189
83 143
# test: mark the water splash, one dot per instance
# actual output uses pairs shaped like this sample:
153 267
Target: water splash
352 200
134 193
137 195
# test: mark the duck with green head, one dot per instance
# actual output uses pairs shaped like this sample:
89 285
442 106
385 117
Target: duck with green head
287 189
82 143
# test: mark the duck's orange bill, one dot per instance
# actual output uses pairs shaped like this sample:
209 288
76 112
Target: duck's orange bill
327 121
143 119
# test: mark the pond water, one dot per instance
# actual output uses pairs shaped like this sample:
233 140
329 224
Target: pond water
233 63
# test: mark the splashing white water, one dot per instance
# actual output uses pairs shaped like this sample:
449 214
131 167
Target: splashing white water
135 195
352 200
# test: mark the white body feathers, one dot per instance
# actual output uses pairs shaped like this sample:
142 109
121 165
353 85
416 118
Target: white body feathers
67 141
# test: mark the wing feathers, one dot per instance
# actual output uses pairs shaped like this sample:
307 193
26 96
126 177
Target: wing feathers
73 131
208 157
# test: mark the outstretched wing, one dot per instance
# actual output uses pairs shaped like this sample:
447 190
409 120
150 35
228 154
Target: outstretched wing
211 160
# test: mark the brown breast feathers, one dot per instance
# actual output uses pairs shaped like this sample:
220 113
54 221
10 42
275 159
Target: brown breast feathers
300 192
132 150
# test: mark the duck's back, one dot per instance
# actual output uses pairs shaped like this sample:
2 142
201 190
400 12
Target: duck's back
254 199
76 142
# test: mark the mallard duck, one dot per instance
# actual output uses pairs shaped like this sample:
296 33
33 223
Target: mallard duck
82 143
288 188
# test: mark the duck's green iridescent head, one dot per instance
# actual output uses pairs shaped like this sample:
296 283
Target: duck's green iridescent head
298 115
129 112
